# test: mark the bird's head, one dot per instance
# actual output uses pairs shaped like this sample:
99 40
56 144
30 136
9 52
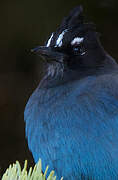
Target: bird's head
75 45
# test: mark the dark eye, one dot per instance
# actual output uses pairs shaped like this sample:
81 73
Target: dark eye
76 49
79 50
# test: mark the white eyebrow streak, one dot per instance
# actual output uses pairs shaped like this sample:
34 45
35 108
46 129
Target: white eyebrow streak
60 38
49 41
77 40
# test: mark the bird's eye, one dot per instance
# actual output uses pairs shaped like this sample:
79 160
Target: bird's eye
76 49
79 50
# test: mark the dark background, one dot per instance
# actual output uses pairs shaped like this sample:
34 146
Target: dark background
24 24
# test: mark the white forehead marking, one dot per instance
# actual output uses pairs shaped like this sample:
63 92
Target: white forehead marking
49 41
77 40
60 38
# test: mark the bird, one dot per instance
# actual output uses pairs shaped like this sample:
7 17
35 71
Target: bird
71 118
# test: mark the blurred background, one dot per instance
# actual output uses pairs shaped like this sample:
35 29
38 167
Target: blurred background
25 24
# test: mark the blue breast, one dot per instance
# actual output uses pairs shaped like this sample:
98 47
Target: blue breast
73 128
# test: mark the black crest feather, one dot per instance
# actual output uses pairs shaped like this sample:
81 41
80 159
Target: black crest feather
74 22
75 19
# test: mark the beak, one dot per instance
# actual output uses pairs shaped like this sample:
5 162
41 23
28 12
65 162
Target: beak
49 53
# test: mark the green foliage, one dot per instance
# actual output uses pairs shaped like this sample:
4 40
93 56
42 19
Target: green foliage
14 172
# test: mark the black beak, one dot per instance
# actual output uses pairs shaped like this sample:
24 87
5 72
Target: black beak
49 53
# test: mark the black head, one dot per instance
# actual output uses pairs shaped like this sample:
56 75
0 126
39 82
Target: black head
74 45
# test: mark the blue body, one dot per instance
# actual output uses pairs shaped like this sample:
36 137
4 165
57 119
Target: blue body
73 127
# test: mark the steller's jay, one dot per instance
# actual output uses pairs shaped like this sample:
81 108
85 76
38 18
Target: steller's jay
72 117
